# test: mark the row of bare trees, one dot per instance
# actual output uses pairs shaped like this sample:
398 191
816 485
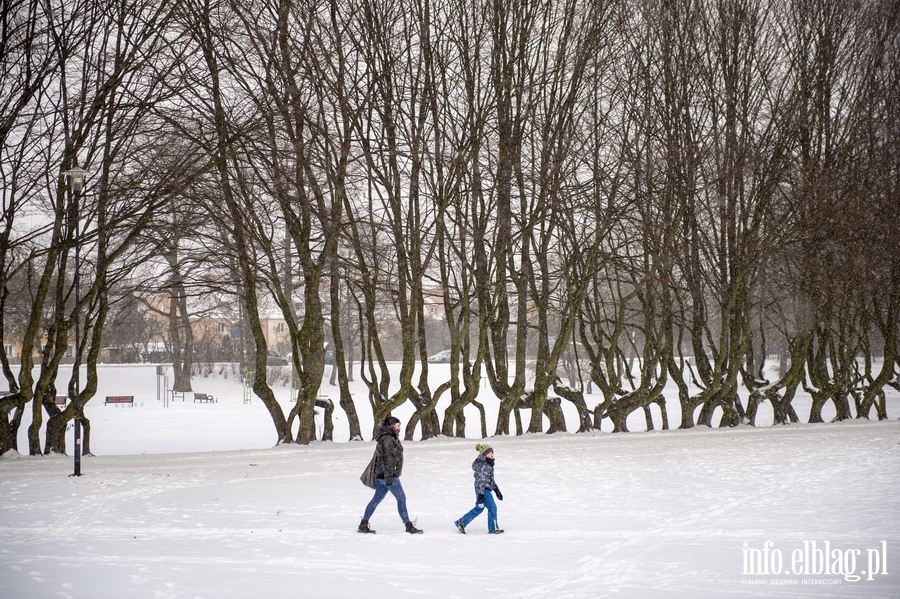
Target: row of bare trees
632 196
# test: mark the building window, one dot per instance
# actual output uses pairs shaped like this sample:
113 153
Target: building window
221 328
279 328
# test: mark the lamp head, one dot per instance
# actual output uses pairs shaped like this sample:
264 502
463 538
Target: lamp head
76 179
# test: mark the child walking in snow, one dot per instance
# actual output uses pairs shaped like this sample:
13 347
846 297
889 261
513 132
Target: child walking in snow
485 487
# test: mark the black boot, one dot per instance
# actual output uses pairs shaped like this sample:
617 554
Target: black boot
411 529
364 527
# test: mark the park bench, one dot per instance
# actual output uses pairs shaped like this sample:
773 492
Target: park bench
60 399
204 397
119 399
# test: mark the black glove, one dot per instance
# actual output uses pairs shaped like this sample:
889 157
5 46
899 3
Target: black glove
480 501
388 480
498 493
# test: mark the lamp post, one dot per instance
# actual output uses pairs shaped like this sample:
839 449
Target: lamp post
76 184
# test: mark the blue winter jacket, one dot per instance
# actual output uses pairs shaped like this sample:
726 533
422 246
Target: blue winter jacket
484 474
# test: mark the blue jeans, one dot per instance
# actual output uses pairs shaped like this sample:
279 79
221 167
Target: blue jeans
491 506
381 490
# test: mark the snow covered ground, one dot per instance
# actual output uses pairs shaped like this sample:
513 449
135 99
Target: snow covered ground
686 514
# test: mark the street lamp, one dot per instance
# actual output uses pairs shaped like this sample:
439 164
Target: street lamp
76 184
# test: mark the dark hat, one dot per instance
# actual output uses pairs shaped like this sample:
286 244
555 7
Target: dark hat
484 449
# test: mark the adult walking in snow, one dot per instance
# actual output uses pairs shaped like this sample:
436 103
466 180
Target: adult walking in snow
485 487
388 467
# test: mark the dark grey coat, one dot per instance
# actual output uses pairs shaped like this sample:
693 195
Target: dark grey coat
484 474
388 455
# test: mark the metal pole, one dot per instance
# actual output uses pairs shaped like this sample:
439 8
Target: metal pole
76 184
77 373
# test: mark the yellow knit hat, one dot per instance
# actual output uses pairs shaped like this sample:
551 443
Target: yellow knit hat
484 449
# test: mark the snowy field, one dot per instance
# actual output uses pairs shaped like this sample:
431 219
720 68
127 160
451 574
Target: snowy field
213 511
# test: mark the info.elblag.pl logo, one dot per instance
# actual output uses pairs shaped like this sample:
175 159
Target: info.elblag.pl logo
815 558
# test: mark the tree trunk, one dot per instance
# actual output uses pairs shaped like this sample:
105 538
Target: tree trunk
554 413
9 429
753 405
661 402
819 399
577 399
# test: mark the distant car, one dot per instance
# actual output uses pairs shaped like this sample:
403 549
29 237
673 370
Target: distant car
440 357
273 358
329 357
